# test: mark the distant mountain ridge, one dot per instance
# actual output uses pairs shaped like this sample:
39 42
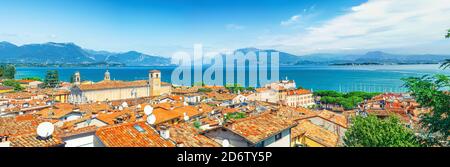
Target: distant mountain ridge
70 53
374 57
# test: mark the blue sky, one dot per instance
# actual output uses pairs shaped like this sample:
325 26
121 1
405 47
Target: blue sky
163 27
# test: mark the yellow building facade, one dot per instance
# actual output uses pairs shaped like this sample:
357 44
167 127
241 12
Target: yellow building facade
108 90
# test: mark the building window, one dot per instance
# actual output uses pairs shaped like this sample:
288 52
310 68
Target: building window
278 136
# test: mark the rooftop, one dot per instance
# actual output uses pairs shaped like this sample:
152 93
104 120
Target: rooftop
298 92
335 118
128 135
59 110
5 87
314 132
187 135
18 125
116 84
119 116
32 140
260 127
295 113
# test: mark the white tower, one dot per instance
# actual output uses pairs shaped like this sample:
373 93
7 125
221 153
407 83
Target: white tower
107 76
77 78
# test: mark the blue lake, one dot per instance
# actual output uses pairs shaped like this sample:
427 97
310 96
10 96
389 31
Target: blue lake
339 78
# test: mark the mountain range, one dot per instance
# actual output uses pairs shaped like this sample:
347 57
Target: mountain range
72 54
374 57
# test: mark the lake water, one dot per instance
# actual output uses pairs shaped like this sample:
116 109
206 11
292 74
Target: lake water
340 78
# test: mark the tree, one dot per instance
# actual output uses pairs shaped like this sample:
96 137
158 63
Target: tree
374 132
51 79
429 91
32 78
250 89
197 124
14 84
205 90
446 63
2 70
235 115
8 71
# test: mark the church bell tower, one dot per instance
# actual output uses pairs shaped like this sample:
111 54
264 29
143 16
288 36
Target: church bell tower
107 76
155 82
76 78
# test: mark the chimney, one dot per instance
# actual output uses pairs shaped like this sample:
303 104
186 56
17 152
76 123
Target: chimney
164 132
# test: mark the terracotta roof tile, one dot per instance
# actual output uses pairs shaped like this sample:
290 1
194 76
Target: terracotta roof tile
10 126
187 135
314 132
126 135
32 140
113 85
335 118
260 127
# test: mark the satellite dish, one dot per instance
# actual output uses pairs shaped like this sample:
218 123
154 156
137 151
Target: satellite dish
186 118
225 143
120 108
124 104
151 119
148 110
45 129
138 106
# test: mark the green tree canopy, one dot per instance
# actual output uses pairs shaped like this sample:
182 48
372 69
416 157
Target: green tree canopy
14 84
51 79
374 132
431 91
347 100
446 63
32 78
8 71
205 90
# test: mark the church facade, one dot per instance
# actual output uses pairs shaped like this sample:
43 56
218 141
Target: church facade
108 90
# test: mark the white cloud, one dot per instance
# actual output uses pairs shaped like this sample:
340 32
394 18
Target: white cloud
294 19
234 27
376 24
299 18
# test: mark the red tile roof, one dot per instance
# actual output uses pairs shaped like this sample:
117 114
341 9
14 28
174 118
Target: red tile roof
33 140
113 85
335 118
314 132
187 135
298 92
260 127
126 135
24 124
